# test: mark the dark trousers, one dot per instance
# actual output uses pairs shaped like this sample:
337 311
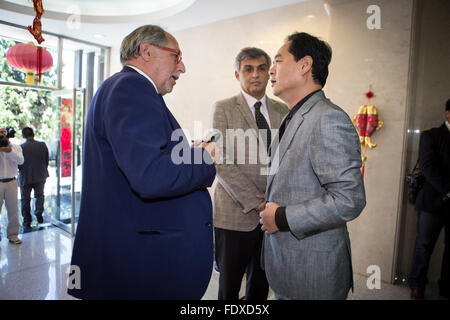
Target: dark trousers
238 253
25 193
429 227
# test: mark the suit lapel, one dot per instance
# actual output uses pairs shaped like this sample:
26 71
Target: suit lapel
278 149
246 113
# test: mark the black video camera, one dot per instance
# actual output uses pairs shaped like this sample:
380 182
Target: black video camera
446 197
10 133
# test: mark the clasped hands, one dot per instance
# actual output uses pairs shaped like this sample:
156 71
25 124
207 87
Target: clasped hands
267 215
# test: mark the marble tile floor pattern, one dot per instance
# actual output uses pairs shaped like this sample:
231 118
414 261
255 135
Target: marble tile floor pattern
37 270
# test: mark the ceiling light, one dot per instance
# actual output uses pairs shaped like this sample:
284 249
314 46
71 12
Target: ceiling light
327 8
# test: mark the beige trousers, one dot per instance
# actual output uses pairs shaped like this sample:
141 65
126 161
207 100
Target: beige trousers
8 193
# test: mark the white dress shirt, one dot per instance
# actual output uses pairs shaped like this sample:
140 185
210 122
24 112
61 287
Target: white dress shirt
143 73
448 125
251 103
9 162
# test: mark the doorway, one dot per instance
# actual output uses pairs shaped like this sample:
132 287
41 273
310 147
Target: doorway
56 109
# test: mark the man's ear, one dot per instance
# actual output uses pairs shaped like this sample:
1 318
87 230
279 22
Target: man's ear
236 74
144 50
305 64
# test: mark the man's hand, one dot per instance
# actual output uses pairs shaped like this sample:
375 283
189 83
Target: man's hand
196 143
212 149
268 218
262 205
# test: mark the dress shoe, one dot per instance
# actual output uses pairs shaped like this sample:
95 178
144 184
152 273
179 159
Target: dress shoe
417 294
40 219
15 240
27 225
444 293
444 289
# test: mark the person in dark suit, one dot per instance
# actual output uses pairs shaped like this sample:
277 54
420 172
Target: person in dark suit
144 229
433 204
32 175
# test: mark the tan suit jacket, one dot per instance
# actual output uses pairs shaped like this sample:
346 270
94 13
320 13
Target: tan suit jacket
239 175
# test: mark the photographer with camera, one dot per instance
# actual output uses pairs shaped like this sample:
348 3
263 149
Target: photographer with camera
433 204
10 157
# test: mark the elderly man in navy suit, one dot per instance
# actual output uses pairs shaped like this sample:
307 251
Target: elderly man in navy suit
144 229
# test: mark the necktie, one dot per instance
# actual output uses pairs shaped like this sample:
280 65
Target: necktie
262 123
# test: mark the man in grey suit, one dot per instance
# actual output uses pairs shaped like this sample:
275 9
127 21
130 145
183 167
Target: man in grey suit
314 185
245 121
32 175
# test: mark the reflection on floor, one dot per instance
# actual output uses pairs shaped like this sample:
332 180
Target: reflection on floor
37 269
56 208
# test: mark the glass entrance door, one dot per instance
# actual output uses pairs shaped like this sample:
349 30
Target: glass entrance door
56 112
67 177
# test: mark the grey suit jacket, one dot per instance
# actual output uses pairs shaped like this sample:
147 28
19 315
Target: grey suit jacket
34 167
239 176
315 173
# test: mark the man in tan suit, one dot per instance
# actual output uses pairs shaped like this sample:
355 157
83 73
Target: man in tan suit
247 122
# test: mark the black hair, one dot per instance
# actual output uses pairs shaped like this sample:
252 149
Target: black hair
447 105
304 44
27 132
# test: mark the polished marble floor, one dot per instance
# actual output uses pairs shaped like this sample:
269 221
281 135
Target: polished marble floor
37 270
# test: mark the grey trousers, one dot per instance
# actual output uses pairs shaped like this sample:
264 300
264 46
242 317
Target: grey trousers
8 193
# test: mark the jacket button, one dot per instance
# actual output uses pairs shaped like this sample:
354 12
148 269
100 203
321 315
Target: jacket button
208 223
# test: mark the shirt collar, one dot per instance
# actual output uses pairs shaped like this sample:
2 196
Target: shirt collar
292 112
251 100
144 74
300 104
448 125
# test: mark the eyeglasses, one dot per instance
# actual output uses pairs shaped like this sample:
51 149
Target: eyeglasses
175 51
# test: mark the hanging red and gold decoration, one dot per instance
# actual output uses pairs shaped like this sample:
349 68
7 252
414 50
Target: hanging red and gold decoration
27 57
36 29
30 59
367 121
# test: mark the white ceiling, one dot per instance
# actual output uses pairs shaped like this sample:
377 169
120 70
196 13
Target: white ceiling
105 7
186 14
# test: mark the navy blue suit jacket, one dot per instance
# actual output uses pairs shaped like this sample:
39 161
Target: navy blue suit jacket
144 229
434 160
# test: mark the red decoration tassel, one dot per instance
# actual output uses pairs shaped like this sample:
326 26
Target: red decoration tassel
39 63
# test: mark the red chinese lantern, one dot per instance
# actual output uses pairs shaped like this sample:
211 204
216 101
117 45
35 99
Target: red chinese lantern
30 59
